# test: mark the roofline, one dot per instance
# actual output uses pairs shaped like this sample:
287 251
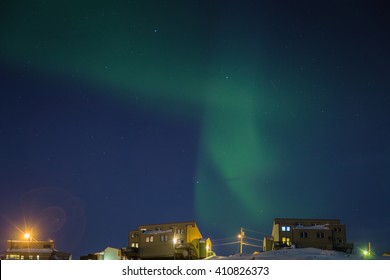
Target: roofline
308 219
185 222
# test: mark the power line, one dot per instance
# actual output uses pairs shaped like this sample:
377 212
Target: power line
253 238
256 231
247 244
224 238
230 243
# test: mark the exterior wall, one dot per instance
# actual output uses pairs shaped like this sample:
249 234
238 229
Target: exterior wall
33 250
316 238
275 232
111 254
134 239
159 240
166 241
318 233
339 233
192 233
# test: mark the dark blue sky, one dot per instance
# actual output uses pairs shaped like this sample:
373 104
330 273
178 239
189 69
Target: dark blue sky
230 113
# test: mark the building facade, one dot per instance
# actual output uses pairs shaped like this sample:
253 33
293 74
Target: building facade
181 240
327 234
33 250
109 253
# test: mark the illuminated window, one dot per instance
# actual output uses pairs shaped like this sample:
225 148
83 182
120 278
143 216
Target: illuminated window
136 245
37 257
22 257
286 228
30 257
286 240
13 257
149 238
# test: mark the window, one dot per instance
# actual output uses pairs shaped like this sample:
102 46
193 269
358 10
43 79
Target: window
303 234
164 238
286 240
320 235
37 257
22 257
179 231
147 239
13 257
283 228
136 245
151 239
30 257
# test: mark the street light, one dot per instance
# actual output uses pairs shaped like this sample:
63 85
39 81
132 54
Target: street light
174 243
241 236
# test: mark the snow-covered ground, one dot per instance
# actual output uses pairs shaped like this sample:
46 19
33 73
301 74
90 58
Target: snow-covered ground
296 254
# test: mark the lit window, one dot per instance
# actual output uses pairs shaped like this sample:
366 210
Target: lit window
283 228
147 239
136 245
22 257
37 257
288 228
30 257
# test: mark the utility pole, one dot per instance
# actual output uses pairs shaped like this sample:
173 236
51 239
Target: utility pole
241 236
369 248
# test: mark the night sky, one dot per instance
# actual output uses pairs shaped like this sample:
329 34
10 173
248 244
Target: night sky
229 113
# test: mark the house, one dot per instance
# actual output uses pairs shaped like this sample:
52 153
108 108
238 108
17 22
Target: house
33 250
328 234
109 253
181 240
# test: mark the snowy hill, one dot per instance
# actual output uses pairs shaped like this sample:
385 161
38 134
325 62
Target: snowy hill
294 254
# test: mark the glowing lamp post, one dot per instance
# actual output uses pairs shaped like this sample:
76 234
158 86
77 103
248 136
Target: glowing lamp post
174 245
241 236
